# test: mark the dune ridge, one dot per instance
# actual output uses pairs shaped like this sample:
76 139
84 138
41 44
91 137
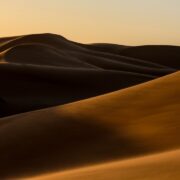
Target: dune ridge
88 111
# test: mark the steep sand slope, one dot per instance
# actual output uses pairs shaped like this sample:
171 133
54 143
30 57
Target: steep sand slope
134 121
164 166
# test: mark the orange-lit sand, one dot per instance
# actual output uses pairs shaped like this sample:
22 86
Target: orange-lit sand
163 166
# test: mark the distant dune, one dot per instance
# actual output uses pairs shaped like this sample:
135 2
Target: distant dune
88 111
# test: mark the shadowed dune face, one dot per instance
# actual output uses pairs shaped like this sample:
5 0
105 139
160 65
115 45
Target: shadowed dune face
166 55
43 70
103 103
3 108
30 87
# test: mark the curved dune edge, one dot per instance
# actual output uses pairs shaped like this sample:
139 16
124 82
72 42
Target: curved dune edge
163 166
135 121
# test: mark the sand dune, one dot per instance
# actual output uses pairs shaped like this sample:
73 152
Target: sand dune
42 70
66 105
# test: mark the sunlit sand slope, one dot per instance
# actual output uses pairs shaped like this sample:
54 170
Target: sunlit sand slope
163 166
136 121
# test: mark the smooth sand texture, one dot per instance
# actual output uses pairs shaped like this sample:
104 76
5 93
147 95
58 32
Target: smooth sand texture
91 131
86 105
161 166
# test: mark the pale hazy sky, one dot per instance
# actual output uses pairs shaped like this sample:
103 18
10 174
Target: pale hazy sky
114 21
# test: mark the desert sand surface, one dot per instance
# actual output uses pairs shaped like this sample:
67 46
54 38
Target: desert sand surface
88 111
160 166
